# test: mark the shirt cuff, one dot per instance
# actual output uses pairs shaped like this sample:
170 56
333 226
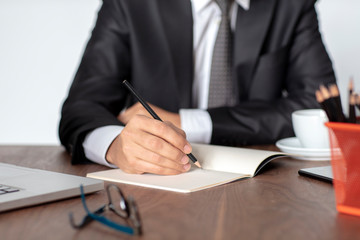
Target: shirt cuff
197 125
98 141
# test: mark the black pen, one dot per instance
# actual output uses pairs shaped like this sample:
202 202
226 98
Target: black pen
154 115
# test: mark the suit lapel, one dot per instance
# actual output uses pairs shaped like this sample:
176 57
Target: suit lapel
251 29
177 23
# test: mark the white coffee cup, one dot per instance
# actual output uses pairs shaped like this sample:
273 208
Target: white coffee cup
309 128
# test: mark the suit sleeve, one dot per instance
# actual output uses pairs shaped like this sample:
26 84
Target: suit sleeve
96 96
264 122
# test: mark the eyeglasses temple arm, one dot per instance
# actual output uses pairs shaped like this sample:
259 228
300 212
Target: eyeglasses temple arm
87 219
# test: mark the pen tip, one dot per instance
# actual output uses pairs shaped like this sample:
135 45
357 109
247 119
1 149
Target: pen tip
198 164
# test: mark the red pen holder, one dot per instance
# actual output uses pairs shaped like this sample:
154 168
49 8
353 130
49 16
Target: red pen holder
345 162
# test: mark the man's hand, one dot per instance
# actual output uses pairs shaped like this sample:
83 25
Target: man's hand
149 145
137 108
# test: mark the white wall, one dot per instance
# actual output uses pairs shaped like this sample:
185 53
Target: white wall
339 24
40 45
41 42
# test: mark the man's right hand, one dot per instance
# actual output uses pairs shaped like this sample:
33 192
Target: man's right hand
147 145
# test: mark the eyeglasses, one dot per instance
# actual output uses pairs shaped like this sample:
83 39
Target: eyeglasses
125 208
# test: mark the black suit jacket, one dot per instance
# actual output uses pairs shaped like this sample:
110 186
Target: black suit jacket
279 62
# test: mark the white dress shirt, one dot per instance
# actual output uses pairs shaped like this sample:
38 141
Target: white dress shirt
195 122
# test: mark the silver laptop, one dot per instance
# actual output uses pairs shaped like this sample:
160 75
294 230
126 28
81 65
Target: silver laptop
22 187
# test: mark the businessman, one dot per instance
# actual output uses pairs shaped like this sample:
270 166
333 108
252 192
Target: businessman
219 72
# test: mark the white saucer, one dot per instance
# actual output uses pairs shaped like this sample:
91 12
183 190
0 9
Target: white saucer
292 145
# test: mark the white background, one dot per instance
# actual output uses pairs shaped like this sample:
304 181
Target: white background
41 42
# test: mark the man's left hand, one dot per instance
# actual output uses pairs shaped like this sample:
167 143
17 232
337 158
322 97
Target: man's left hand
138 109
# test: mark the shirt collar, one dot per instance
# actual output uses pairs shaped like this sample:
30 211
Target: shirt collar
198 5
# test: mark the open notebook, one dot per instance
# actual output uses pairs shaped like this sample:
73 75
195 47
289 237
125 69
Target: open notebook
220 165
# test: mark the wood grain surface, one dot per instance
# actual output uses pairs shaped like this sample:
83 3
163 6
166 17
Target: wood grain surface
276 204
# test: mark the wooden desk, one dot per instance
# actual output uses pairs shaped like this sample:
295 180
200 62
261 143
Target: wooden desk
277 204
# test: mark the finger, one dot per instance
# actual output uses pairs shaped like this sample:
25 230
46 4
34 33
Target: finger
140 144
133 158
130 112
180 164
164 131
140 166
161 147
178 130
122 118
156 149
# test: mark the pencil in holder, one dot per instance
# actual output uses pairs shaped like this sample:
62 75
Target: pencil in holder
345 162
